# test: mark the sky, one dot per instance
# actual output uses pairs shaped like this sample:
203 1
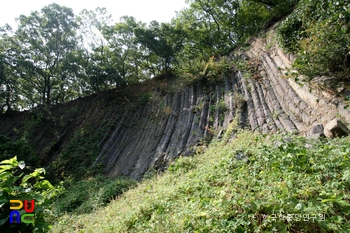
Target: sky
142 10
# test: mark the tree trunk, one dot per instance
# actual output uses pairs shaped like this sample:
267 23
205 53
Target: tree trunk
48 92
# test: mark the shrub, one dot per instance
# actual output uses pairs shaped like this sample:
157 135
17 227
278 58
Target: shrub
319 32
291 32
77 157
211 70
88 195
18 184
20 148
145 98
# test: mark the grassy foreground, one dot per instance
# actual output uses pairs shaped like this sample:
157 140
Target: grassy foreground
254 183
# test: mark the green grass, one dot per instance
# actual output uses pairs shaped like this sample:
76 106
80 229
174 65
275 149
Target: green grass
285 175
87 195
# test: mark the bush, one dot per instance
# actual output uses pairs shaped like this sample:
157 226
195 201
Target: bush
291 32
18 184
145 98
199 69
20 148
319 32
88 195
77 157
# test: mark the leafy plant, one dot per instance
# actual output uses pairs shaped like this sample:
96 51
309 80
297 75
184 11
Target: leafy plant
19 182
199 69
20 148
88 195
76 159
145 98
319 32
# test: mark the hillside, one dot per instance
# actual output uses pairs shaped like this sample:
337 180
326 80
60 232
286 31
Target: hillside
253 183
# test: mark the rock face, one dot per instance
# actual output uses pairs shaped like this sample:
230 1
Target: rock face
316 132
336 128
145 136
169 127
316 129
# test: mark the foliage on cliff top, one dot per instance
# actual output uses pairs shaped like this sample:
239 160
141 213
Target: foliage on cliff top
319 33
55 56
254 183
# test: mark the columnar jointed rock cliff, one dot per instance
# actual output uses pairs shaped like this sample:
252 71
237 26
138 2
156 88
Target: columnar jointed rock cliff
144 136
165 129
278 102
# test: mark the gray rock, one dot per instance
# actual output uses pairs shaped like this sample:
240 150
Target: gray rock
241 156
316 132
316 129
347 94
243 56
308 146
278 143
336 128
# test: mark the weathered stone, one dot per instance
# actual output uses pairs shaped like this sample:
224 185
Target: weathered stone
241 156
316 132
346 94
316 129
344 111
336 128
287 123
308 146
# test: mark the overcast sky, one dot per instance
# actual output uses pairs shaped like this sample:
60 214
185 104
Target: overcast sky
143 10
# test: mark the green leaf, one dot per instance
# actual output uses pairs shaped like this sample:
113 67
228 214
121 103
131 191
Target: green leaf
5 168
26 178
45 184
338 201
37 172
12 161
2 221
346 175
299 206
343 203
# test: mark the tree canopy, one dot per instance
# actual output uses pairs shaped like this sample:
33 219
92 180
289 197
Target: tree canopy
54 56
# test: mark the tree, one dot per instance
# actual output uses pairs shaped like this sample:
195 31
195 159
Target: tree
44 43
163 42
9 97
213 24
127 54
107 48
7 87
217 26
93 50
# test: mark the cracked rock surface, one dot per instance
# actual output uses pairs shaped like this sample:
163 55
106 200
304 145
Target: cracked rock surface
146 136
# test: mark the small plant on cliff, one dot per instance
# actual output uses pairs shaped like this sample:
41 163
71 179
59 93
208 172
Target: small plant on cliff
210 70
145 98
76 158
